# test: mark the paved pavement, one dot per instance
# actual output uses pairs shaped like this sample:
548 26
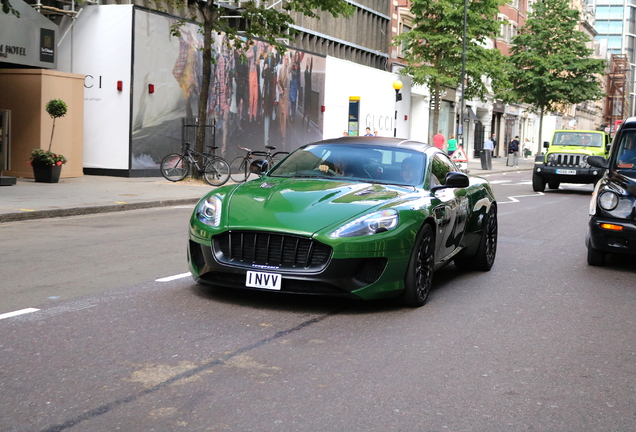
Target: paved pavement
100 194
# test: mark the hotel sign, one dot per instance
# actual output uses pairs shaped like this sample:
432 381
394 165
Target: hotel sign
28 40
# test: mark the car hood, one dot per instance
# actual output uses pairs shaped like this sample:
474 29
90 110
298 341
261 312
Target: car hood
305 206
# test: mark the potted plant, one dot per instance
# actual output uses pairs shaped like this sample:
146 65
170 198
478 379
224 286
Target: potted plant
47 165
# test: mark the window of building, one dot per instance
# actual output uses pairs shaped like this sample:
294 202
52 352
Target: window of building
507 28
609 27
614 42
404 28
609 12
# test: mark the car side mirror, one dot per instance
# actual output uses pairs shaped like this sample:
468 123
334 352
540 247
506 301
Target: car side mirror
259 166
453 180
598 162
546 144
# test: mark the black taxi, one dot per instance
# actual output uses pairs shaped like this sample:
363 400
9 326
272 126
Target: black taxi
612 225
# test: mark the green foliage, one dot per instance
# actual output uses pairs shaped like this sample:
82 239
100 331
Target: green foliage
41 157
434 46
551 62
56 108
244 21
7 8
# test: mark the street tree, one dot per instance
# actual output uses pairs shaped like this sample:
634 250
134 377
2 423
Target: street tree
551 63
7 8
242 22
434 48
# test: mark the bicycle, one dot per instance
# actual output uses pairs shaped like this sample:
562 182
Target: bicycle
176 166
240 166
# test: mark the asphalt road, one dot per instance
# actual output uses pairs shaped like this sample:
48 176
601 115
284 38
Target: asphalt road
542 342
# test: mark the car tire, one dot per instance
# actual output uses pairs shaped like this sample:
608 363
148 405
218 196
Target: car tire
486 251
595 257
419 274
554 184
538 183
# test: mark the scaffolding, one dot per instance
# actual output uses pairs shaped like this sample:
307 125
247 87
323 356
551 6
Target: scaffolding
617 87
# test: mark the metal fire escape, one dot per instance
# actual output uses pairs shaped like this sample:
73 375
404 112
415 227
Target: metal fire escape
615 107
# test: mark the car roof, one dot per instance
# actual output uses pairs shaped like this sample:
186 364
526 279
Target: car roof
388 142
629 123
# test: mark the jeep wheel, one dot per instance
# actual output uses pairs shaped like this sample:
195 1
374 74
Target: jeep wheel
538 184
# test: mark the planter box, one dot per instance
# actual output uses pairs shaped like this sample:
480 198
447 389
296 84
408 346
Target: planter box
47 173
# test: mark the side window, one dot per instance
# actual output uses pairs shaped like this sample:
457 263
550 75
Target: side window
440 166
627 151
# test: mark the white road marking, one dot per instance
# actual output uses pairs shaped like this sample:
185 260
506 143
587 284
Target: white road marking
175 277
18 312
513 199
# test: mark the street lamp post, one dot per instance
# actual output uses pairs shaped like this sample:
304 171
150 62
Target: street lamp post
397 85
460 127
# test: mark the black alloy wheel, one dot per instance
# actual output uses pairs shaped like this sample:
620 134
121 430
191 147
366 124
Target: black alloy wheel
419 274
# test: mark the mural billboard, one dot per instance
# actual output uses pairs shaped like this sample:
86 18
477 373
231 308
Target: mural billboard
256 98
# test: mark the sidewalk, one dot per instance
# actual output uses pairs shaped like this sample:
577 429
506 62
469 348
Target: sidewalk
100 194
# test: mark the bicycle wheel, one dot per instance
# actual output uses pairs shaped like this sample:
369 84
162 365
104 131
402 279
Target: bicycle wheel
175 167
216 172
240 169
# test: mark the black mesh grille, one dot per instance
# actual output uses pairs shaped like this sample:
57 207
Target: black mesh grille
273 250
566 160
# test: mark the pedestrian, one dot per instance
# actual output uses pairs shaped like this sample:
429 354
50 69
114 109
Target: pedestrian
376 133
452 145
526 148
368 132
489 146
439 140
513 152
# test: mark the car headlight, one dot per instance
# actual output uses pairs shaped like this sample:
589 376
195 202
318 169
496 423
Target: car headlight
370 224
608 200
551 158
209 211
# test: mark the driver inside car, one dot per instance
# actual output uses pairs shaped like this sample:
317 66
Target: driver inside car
343 165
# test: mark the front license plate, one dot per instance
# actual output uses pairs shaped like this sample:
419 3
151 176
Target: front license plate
566 171
263 280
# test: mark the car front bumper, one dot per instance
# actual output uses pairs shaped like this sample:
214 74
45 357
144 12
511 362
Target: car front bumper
368 275
609 240
581 175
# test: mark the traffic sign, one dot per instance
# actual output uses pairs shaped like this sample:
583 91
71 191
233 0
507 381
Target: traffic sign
459 155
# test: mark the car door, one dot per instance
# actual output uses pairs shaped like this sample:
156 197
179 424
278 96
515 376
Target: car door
446 208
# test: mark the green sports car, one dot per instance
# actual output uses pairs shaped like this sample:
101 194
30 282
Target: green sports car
362 217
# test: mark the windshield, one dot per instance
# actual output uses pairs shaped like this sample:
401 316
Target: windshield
354 162
578 138
626 153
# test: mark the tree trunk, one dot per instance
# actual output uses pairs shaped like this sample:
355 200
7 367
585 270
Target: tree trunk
209 12
437 94
52 130
540 150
